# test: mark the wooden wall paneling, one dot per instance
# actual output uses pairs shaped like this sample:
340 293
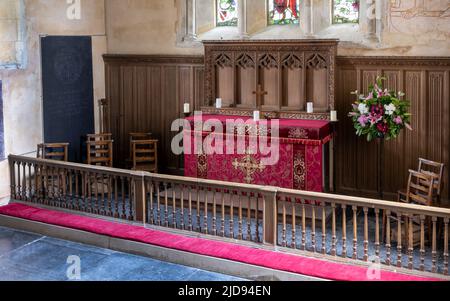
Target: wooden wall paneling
394 152
366 151
345 165
199 87
438 124
169 81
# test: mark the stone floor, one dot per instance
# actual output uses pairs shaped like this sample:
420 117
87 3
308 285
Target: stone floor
25 256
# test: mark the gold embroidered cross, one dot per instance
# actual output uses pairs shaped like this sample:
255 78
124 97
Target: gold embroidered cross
249 165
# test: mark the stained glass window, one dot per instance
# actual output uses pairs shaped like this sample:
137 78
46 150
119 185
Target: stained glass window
345 11
282 12
227 13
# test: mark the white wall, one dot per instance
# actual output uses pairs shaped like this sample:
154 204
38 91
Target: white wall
22 87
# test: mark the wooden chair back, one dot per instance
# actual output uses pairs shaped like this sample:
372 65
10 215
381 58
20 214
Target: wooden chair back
436 170
53 151
99 137
420 188
100 153
137 137
145 155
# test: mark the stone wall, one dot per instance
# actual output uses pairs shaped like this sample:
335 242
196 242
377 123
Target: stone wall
406 27
22 103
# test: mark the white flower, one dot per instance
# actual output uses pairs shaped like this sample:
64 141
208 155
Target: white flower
363 109
401 94
390 109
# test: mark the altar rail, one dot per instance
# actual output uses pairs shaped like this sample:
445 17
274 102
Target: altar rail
331 226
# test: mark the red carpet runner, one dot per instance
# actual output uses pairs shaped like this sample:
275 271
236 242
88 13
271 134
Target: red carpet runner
269 259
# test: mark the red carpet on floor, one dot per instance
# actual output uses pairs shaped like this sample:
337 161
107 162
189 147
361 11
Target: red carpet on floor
269 259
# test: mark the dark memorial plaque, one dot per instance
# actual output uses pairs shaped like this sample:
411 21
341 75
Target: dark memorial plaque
68 91
2 134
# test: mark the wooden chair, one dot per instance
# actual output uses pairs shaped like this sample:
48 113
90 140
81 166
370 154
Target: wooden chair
136 137
436 170
419 191
50 182
145 155
53 151
100 152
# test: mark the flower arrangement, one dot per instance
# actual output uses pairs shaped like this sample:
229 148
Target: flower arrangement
381 114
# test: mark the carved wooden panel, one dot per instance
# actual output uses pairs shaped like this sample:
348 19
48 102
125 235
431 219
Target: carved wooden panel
290 71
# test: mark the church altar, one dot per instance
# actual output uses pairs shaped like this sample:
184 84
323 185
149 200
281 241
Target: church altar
302 156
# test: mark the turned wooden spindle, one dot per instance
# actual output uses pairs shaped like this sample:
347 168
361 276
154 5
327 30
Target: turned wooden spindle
182 224
257 220
174 206
303 225
205 213
198 210
130 200
355 232
434 251
151 218
116 196
422 243
166 206
446 246
324 229
70 199
249 218
333 229
124 198
24 184
231 216
377 232
240 217
158 205
214 218
190 225
410 242
30 184
366 234
399 240
313 226
344 231
388 238
294 225
222 224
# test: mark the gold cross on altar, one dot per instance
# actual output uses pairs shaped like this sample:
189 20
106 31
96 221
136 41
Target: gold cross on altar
260 93
249 165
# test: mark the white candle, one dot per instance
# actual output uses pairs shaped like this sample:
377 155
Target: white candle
310 107
256 115
219 103
187 108
333 116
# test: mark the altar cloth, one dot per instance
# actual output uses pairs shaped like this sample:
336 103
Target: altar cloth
300 165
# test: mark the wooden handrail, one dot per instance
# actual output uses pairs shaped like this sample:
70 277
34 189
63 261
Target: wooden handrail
299 194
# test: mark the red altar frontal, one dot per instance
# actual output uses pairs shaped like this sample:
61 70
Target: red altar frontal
302 156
